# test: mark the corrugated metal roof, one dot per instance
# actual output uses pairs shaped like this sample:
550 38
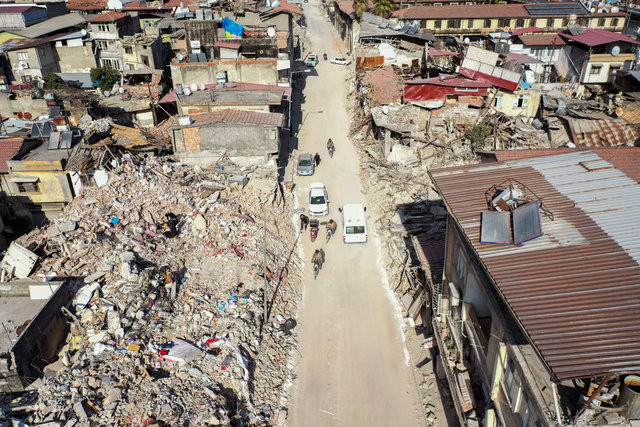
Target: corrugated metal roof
595 37
451 81
600 132
575 290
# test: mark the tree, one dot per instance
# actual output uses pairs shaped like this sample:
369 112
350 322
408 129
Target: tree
105 76
360 6
384 7
477 134
53 81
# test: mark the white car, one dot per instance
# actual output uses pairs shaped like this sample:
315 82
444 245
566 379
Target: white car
318 200
341 60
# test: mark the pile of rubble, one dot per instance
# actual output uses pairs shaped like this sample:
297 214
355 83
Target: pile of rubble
166 327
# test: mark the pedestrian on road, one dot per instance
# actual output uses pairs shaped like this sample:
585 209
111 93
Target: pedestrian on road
316 159
304 221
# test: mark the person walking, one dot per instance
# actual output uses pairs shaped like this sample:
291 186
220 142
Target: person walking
316 159
304 222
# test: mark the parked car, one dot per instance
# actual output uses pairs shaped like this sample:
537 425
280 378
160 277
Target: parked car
318 200
305 164
341 60
312 60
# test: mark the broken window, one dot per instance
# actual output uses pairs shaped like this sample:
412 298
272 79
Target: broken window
128 50
453 23
27 187
521 101
614 22
595 69
145 60
565 22
511 385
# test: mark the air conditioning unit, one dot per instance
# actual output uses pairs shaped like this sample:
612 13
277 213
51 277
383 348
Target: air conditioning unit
24 65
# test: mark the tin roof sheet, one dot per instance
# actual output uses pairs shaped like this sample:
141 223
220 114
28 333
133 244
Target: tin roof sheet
600 132
575 291
236 117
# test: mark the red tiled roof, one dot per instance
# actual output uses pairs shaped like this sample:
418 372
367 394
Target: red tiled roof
135 5
627 159
239 86
542 40
227 45
110 16
452 81
285 7
7 9
236 116
593 37
8 149
520 58
346 6
520 31
86 4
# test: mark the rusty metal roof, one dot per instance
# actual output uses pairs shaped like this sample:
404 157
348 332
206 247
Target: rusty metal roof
575 291
600 132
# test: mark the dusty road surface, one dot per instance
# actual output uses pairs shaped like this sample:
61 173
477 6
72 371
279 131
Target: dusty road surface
353 369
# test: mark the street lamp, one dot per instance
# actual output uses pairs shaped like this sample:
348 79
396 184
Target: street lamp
264 250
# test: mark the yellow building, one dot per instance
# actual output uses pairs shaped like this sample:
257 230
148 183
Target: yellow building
8 35
524 102
482 19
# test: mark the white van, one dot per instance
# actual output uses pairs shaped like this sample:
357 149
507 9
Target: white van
354 224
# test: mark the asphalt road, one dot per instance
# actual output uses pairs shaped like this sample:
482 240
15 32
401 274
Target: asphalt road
353 369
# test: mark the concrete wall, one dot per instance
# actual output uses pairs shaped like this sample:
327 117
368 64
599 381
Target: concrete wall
601 68
22 20
76 59
41 59
152 51
263 71
38 344
53 183
507 103
9 107
236 140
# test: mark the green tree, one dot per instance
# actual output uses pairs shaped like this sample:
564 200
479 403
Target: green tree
477 134
384 7
105 76
360 6
53 81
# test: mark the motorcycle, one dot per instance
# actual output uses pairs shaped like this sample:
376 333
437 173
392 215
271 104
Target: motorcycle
316 269
331 150
324 56
314 226
329 234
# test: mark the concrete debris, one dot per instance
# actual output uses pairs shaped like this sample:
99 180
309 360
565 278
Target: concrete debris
166 326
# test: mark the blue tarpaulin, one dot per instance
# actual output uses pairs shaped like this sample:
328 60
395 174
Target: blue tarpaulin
232 27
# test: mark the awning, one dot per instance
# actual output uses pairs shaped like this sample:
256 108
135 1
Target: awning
20 179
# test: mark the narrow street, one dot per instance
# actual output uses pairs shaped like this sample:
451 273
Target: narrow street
353 369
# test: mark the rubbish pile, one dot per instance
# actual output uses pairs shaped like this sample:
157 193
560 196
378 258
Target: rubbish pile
170 265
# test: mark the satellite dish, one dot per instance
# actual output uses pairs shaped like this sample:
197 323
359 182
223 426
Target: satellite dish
615 9
194 87
186 91
180 57
106 93
121 90
83 32
615 51
271 32
592 10
201 86
466 40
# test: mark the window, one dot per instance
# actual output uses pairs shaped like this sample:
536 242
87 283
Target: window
27 187
453 23
601 22
113 63
520 22
487 23
128 50
470 23
460 262
504 22
358 229
613 69
614 22
103 27
26 79
549 22
521 101
510 383
497 102
23 56
565 22
437 24
466 89
145 60
595 69
103 44
583 22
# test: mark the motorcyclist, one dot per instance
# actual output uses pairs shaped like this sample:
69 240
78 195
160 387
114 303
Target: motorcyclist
331 225
330 146
318 257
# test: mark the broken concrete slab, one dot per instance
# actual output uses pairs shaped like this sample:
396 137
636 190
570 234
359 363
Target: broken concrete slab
19 261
